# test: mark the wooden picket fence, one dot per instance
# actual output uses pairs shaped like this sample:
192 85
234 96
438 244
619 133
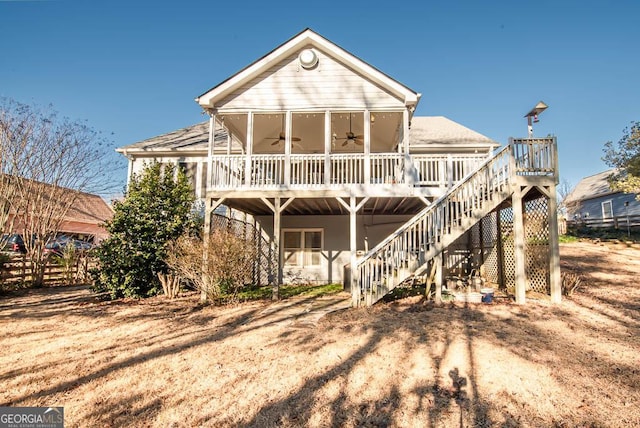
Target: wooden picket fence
18 270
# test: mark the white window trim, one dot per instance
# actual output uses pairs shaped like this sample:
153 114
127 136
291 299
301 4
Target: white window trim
300 230
603 210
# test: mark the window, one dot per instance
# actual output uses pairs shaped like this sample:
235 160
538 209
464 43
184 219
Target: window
607 209
302 247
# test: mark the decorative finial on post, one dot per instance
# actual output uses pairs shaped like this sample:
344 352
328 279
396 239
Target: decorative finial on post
532 117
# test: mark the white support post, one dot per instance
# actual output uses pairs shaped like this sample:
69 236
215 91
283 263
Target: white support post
405 146
212 139
208 208
519 246
367 147
449 177
353 209
275 293
247 166
277 207
355 288
287 148
328 139
129 170
554 250
437 260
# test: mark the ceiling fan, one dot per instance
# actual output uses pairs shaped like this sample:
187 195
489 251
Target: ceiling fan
351 137
280 139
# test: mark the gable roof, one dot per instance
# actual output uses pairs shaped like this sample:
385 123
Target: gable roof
426 132
591 187
305 38
440 132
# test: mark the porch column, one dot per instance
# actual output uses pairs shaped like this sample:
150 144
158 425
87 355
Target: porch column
367 147
247 165
287 148
437 264
408 166
209 206
212 136
277 207
328 139
355 288
353 207
519 245
554 250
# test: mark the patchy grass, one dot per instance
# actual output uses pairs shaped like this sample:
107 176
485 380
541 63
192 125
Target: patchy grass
287 291
567 239
175 363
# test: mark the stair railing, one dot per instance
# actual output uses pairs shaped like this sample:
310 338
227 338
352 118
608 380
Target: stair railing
406 251
399 255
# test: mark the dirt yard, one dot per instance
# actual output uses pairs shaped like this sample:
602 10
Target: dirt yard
408 363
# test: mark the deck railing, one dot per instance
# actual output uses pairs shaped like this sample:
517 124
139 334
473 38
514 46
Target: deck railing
310 170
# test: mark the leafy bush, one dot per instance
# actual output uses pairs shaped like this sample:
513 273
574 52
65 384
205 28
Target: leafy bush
157 210
226 269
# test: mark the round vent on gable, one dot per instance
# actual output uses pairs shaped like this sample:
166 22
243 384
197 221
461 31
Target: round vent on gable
308 58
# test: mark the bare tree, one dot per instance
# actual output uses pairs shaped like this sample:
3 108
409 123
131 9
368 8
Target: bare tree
563 190
46 162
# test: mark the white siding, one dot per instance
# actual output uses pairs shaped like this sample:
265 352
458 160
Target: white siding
330 85
199 164
336 254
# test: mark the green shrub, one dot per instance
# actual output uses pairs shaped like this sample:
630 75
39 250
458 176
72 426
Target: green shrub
157 210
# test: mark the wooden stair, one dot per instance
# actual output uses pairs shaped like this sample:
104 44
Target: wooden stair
408 250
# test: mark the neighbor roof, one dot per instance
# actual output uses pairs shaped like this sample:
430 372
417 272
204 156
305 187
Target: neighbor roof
437 131
302 39
591 187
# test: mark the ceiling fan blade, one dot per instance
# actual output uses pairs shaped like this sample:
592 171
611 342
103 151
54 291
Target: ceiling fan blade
359 137
345 142
275 142
296 139
359 142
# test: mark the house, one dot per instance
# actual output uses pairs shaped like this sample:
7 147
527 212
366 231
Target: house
83 220
593 203
323 155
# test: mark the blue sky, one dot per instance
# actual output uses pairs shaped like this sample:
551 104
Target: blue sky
132 69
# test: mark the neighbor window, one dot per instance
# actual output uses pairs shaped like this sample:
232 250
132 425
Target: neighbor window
607 209
302 247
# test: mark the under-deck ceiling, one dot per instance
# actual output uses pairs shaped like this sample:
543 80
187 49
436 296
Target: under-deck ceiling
330 206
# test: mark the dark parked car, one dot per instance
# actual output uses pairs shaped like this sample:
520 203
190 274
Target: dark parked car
13 244
58 245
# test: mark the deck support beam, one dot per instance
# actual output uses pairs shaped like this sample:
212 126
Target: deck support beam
210 205
554 249
519 245
277 207
437 266
353 207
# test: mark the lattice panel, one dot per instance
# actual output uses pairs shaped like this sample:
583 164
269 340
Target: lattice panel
536 232
508 259
264 269
491 266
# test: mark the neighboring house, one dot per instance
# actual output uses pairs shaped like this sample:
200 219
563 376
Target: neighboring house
595 204
323 155
84 219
